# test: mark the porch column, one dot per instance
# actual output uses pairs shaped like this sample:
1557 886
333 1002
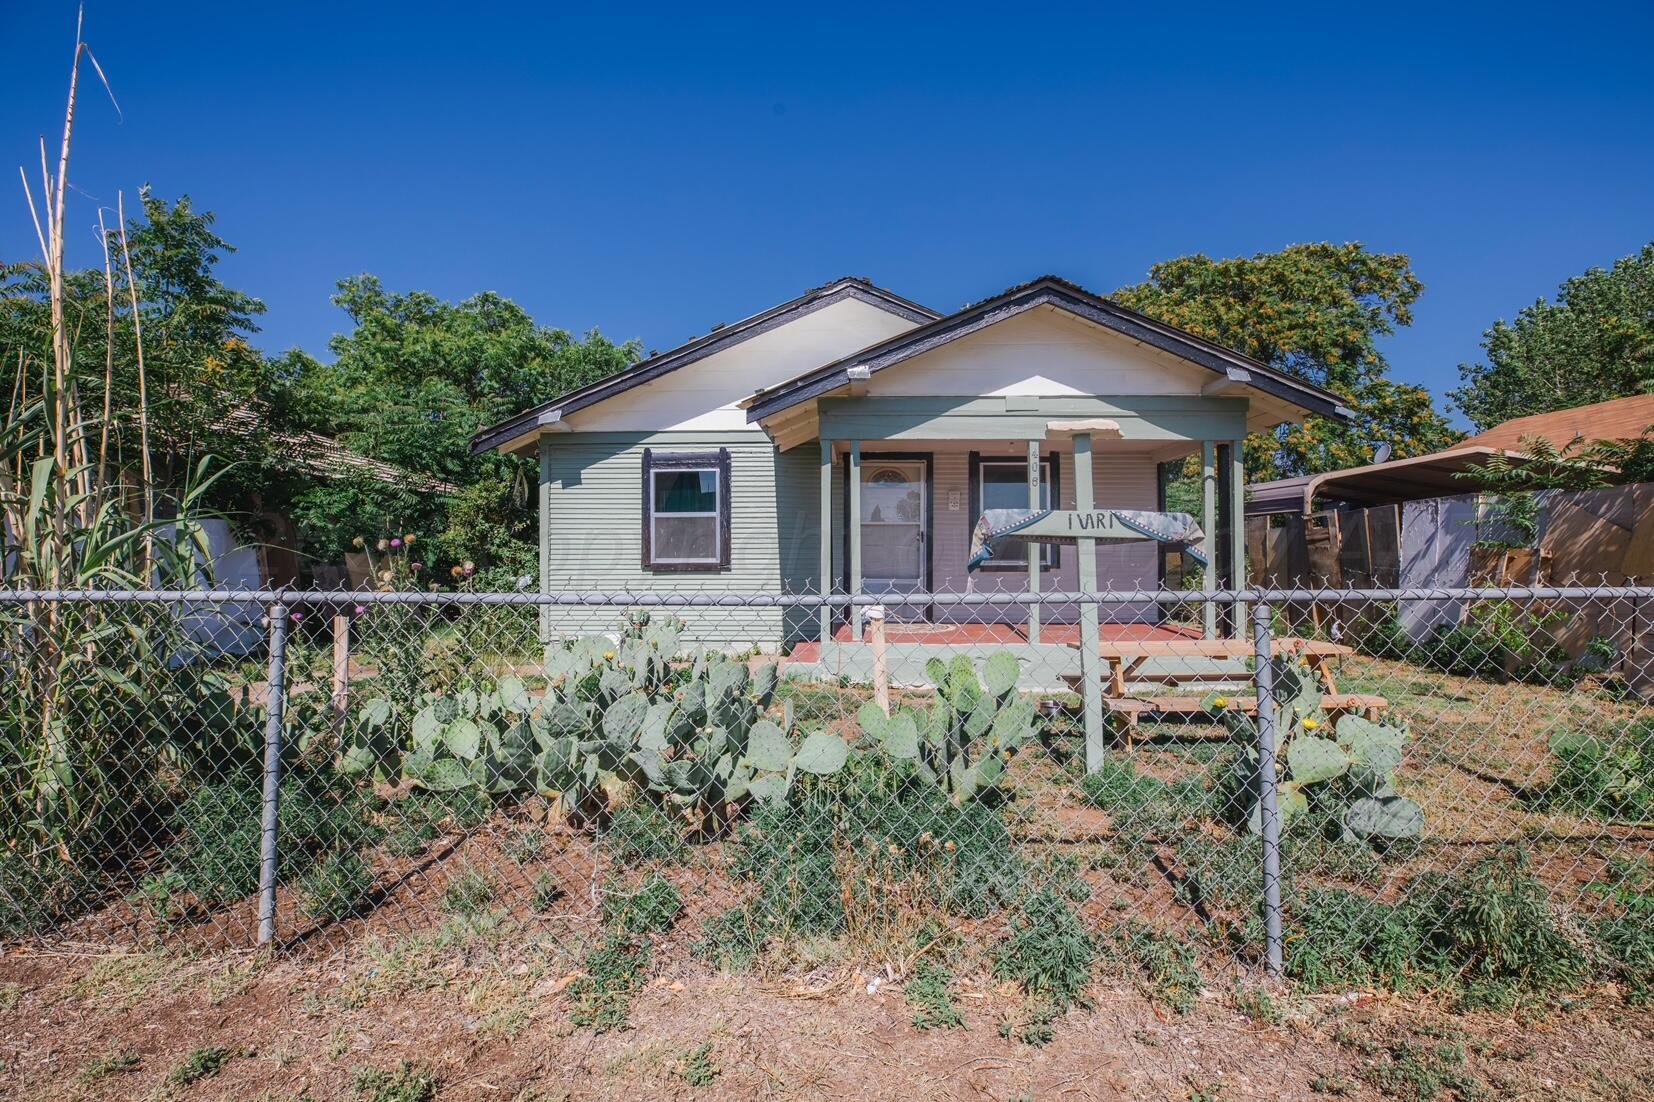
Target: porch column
826 543
1091 675
1209 525
1034 549
853 519
1237 528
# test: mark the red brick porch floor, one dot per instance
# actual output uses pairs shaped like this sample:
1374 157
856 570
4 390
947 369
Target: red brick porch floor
965 635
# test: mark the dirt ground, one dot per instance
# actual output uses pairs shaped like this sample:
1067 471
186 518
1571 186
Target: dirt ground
484 1012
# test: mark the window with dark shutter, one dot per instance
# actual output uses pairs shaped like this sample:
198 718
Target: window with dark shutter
686 510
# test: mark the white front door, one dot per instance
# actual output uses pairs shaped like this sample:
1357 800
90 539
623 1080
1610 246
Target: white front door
895 542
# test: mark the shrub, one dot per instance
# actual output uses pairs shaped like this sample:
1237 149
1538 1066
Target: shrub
1498 640
337 886
215 851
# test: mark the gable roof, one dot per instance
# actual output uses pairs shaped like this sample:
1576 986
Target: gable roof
1617 419
1063 295
720 338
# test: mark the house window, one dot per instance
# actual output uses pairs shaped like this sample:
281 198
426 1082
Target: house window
1003 484
686 510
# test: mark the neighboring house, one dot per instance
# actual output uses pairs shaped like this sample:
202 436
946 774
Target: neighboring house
719 465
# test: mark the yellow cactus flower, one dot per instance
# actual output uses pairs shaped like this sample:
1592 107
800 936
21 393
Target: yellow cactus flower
1220 702
1311 724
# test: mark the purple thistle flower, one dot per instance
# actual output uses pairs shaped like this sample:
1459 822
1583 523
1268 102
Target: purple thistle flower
396 542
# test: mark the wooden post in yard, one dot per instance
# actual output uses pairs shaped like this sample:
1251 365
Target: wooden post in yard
881 666
341 673
1209 525
1035 552
1085 550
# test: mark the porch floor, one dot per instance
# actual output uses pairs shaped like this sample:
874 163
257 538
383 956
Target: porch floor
964 635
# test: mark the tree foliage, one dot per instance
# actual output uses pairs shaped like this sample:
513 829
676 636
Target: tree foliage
1594 343
410 384
1317 312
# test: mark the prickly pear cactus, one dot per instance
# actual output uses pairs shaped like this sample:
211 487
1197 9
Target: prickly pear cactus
1348 773
962 743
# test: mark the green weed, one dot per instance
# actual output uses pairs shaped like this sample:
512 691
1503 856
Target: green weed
203 1063
406 1084
337 886
930 993
641 831
525 846
696 1068
1050 953
731 941
546 893
614 974
468 893
651 908
1168 962
118 1062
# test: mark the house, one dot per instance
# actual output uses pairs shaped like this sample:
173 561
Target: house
846 441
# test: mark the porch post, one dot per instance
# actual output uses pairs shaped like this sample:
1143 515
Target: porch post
853 519
1237 528
1034 549
1091 673
1209 525
826 543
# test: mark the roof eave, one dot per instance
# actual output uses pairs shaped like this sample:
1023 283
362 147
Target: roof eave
1130 323
698 349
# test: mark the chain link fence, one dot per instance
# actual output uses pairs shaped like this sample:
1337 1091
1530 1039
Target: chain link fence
1349 788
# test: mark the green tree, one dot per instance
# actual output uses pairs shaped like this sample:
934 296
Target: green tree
411 383
1594 343
1315 311
209 391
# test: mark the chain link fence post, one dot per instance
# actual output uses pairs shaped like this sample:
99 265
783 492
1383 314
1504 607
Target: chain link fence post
271 808
1269 810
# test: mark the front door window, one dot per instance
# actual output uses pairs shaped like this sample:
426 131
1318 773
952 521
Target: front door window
893 521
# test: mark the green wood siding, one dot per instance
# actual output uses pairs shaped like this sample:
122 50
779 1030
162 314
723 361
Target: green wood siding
591 525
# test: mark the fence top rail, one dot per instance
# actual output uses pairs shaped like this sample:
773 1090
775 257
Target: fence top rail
736 599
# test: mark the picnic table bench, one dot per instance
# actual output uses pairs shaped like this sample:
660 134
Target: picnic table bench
1125 658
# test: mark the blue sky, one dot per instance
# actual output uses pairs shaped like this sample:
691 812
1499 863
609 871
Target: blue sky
653 172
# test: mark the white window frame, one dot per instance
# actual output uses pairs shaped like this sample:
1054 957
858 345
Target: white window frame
1048 551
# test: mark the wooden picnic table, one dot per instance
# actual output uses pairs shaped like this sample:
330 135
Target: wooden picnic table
1126 657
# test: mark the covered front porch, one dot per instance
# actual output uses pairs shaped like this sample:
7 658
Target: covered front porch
899 507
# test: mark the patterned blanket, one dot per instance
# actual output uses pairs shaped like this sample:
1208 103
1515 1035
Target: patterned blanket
998 525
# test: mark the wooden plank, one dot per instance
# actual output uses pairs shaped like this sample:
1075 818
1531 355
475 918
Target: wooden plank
1384 546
